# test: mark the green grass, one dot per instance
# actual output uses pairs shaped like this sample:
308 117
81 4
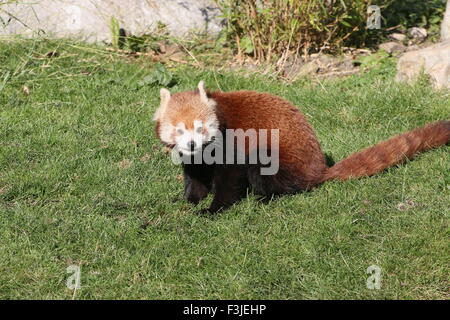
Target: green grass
83 180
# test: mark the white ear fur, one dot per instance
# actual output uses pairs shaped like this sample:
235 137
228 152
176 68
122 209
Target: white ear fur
165 97
201 89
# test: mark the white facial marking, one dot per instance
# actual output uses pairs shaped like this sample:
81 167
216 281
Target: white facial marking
166 133
188 141
191 141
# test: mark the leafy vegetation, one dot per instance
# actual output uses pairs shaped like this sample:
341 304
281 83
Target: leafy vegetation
410 13
274 29
271 30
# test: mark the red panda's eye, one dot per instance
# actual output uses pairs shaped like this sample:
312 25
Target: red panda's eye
199 130
180 131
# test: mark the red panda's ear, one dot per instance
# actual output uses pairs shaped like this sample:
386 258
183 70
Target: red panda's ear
204 97
165 97
201 90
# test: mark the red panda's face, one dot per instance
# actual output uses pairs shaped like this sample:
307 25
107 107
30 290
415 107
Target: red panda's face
191 137
187 120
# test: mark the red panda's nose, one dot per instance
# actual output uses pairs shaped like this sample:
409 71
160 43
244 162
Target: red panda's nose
191 145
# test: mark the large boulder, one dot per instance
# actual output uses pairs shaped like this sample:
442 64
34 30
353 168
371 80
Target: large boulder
392 47
433 60
90 20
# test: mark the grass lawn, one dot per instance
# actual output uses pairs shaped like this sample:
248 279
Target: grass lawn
84 181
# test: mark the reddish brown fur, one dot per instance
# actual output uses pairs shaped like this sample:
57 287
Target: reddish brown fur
302 164
390 152
187 109
299 149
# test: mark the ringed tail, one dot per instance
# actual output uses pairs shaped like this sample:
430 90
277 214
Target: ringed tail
390 152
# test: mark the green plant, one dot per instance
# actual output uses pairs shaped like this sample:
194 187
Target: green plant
413 13
137 43
373 60
272 29
115 32
159 76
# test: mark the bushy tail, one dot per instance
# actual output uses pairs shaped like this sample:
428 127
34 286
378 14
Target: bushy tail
390 152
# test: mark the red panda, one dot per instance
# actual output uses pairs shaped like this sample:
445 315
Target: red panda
190 121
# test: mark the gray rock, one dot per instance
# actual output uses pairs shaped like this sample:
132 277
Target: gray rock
412 47
418 35
397 37
90 20
322 65
308 68
392 47
433 60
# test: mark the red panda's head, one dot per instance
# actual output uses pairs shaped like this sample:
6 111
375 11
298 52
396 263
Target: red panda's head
187 120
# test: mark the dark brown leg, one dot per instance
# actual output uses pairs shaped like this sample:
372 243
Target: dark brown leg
197 181
230 183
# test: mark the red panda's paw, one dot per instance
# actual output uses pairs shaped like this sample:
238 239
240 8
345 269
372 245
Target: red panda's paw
204 212
209 211
194 199
195 191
